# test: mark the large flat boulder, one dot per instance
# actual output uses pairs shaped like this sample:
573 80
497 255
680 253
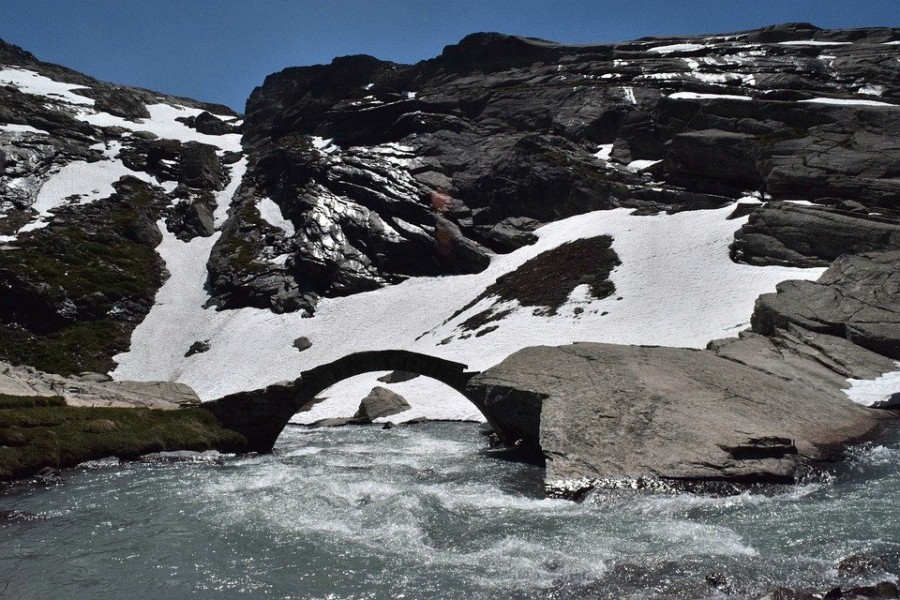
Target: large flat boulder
604 411
93 390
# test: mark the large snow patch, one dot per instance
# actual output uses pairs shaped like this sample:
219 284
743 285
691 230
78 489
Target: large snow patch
676 287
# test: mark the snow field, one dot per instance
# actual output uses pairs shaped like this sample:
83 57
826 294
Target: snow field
34 83
271 214
676 48
676 287
880 392
849 102
162 123
13 128
699 96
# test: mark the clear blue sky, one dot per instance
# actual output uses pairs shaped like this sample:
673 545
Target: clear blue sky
218 50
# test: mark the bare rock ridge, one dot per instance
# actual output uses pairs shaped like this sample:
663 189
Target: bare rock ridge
363 173
387 171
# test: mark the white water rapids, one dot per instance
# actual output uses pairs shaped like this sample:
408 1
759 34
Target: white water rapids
425 512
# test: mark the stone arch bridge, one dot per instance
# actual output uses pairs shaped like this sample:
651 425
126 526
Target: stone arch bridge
261 415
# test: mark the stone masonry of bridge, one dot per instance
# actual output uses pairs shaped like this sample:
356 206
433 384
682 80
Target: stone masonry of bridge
261 415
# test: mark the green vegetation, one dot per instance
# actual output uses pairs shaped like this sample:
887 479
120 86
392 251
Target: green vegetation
73 263
547 280
76 348
242 250
578 168
75 290
38 432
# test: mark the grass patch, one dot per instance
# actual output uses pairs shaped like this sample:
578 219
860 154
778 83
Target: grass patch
37 432
240 248
547 279
76 348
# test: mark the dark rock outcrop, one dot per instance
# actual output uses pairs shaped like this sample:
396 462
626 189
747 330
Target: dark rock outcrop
192 218
857 298
810 236
388 171
208 123
193 164
74 291
75 285
302 343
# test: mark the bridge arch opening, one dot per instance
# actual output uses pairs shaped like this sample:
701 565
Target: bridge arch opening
261 415
427 398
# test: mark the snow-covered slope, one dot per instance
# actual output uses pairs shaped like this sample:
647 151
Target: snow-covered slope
676 286
84 181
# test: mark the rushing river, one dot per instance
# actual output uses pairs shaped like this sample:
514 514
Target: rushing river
426 512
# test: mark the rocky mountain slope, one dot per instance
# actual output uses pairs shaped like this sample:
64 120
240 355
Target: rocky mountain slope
387 171
655 188
86 171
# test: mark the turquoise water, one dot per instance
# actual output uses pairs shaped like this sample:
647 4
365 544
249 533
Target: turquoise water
427 512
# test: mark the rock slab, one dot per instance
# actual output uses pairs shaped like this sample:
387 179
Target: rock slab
87 391
857 298
604 411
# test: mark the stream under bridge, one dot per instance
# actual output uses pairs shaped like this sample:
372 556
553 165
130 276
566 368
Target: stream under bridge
261 415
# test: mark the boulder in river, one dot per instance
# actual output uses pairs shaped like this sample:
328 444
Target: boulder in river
381 402
612 412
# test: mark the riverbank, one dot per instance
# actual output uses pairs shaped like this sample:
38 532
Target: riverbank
37 432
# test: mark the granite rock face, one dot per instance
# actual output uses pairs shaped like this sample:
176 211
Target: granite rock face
811 236
381 402
614 412
857 298
387 171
